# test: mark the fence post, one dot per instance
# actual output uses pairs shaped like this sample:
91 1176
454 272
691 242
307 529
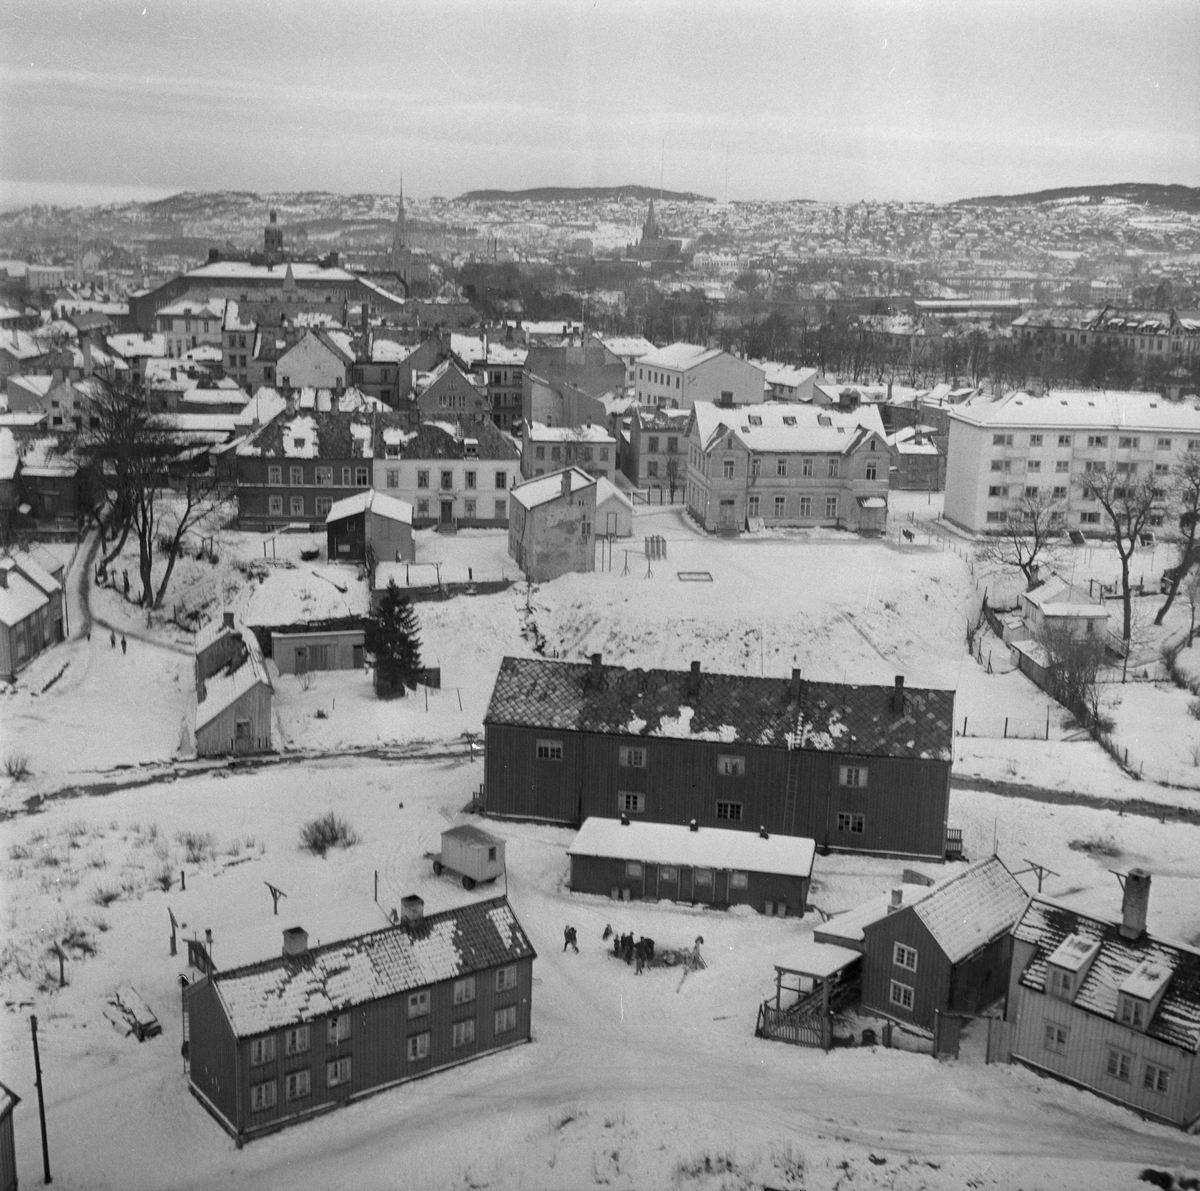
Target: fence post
1047 723
1006 717
964 725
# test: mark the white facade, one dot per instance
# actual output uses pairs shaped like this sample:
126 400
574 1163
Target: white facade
681 374
450 491
188 324
311 363
1002 450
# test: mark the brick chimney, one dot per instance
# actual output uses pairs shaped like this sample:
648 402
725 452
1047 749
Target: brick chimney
412 911
794 685
693 681
898 695
295 942
897 902
566 484
1135 903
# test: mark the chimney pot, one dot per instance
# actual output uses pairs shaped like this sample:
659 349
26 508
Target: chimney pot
228 620
295 941
693 826
897 901
1135 903
412 911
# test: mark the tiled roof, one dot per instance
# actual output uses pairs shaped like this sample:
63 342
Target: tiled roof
1046 924
434 440
972 909
281 991
735 708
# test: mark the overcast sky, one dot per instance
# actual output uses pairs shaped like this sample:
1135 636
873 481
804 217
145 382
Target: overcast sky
911 99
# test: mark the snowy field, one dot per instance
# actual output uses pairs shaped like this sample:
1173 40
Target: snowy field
629 1083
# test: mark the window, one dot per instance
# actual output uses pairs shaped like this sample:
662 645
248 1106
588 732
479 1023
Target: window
506 1019
1089 518
1156 1078
422 508
501 510
418 1003
806 506
652 467
632 757
1093 468
781 466
1035 440
806 467
672 446
854 776
556 452
1064 440
652 445
1127 469
1031 490
422 479
997 490
345 477
738 880
1118 1065
1127 442
727 469
702 876
463 1033
1055 1037
362 477
753 505
298 1084
262 1050
295 1040
1060 493
780 506
850 822
730 766
1062 466
831 506
1132 1012
274 474
262 1096
296 476
447 480
633 870
470 477
901 995
393 477
1162 469
464 990
506 978
549 750
603 454
833 469
1163 444
339 1029
539 452
872 470
1002 440
337 1073
469 508
418 1047
668 872
1097 440
1001 465
631 803
323 476
904 957
994 516
729 812
296 506
1034 465
1060 983
756 466
324 504
275 505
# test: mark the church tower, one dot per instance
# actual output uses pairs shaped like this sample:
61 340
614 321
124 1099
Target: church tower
273 240
399 237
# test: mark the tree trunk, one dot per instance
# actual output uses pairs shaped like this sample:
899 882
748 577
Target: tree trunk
107 558
1127 602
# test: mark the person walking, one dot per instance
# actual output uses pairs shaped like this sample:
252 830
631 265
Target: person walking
124 644
570 940
112 638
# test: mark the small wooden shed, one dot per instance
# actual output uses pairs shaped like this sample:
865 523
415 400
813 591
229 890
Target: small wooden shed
370 521
476 854
614 511
233 705
8 1154
324 649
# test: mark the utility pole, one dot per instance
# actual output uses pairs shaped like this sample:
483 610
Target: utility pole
37 1067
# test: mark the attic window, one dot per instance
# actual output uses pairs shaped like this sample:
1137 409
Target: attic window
789 421
298 442
754 420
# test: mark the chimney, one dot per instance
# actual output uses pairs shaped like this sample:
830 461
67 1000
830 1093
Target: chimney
693 825
228 620
897 902
794 685
898 695
566 483
412 911
3 577
597 669
295 942
1135 903
693 682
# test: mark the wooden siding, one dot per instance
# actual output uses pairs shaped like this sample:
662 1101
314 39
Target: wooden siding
905 803
1086 1055
377 1047
930 982
981 978
218 737
341 643
212 1055
603 874
8 1155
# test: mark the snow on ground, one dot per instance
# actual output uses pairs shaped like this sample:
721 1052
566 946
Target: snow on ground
630 1082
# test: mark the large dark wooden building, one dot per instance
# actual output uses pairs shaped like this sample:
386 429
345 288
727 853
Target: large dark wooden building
277 1041
948 952
859 768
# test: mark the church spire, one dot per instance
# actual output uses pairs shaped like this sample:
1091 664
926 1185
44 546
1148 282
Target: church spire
399 237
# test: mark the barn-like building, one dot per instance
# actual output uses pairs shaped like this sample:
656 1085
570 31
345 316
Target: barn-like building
856 768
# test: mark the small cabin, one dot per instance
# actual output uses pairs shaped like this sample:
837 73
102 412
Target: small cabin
473 852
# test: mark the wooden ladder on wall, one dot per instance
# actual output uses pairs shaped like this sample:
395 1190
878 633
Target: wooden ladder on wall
792 790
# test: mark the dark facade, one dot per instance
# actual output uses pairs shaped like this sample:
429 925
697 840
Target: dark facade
869 770
278 1041
8 1155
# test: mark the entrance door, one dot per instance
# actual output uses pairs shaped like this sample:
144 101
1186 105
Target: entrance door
358 657
302 659
651 887
685 884
721 887
725 515
610 524
447 512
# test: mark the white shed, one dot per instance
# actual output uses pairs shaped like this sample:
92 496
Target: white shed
614 510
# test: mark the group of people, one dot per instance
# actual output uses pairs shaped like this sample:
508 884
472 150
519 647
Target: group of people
641 952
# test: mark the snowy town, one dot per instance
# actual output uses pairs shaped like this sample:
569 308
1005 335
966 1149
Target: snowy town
600 687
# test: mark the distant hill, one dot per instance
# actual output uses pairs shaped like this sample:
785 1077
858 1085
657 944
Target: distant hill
1178 198
564 194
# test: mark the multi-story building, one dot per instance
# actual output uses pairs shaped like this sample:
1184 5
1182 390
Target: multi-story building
785 382
656 456
237 343
498 367
551 529
318 359
629 349
449 478
188 323
448 393
1002 450
1169 337
549 448
787 465
681 374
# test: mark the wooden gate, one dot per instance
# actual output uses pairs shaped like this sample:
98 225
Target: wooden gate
947 1027
999 1040
800 1024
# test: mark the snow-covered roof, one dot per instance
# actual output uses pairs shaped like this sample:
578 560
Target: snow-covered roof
1084 409
819 959
547 488
210 633
134 346
34 383
20 345
267 403
19 597
707 847
970 910
378 502
849 925
300 438
244 270
781 428
192 308
1056 598
223 690
35 572
46 457
787 375
606 490
446 946
679 356
388 351
628 347
1046 923
908 441
9 455
539 432
469 349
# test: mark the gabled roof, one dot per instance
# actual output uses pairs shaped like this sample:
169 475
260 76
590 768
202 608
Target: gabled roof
438 440
628 346
20 345
336 976
786 428
734 708
20 597
377 502
210 633
708 847
223 690
544 489
1057 597
538 432
1047 923
137 345
680 356
607 490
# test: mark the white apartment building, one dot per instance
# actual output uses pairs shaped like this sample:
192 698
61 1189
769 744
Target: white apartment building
679 375
630 349
546 449
1001 450
189 324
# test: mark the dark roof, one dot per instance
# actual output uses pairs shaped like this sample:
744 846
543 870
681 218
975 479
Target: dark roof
1046 924
431 441
334 440
827 716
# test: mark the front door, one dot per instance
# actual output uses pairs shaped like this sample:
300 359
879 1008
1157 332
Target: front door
721 887
651 888
610 524
685 884
447 512
725 517
302 659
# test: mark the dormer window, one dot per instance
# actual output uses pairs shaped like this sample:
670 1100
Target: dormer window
1061 984
1132 1012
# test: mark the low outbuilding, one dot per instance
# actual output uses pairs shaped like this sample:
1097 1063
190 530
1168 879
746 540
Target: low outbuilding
323 649
710 866
614 511
475 855
370 522
233 702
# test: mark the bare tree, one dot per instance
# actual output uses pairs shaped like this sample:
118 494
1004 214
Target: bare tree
1191 592
1075 660
1029 538
1184 495
1131 505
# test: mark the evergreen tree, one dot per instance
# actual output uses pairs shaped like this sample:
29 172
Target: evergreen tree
391 636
